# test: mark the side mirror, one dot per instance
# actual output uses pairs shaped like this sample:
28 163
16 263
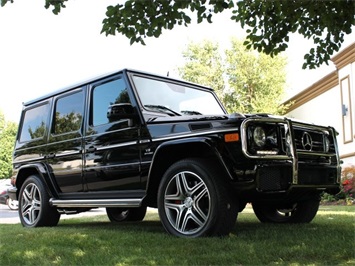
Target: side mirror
120 111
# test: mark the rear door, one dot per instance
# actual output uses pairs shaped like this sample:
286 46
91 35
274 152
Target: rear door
112 156
65 144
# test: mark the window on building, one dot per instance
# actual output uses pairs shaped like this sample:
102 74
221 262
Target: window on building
346 107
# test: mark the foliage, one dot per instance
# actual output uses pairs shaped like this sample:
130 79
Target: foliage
268 23
348 183
255 81
328 240
347 186
8 132
203 65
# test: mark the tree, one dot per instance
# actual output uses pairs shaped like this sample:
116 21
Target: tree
7 140
268 23
203 65
255 81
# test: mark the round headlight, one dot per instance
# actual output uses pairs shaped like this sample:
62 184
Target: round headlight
259 136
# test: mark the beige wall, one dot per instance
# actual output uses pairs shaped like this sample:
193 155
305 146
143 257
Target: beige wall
322 103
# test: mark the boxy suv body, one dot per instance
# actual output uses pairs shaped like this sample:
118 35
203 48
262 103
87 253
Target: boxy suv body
131 140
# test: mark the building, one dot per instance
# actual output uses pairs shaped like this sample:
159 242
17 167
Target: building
331 101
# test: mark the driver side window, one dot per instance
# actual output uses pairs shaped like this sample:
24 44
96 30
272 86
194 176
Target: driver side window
104 96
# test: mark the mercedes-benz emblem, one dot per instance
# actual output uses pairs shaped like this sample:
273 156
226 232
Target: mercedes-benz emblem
307 141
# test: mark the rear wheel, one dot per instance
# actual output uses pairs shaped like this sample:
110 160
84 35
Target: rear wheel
300 212
193 200
126 214
34 208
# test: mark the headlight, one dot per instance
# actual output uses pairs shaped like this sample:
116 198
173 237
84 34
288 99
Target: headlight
259 136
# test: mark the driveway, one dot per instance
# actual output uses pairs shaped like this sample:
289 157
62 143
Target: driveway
8 216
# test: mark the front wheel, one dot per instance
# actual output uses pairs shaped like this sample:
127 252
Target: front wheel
194 201
34 208
299 212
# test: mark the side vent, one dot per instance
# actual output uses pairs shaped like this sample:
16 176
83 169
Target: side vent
200 126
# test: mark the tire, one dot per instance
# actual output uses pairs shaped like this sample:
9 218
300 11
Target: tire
12 204
34 208
193 201
300 212
126 214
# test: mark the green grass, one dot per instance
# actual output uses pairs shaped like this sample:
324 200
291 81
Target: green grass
328 240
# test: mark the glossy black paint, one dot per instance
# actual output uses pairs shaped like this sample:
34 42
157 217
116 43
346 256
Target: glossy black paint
126 157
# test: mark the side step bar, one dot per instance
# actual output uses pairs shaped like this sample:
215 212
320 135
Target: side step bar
125 203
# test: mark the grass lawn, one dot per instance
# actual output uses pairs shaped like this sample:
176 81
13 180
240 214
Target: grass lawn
328 240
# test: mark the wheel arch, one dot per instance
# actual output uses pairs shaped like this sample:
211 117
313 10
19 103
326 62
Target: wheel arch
170 152
34 169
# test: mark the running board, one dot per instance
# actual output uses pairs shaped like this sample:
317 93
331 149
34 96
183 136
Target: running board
125 203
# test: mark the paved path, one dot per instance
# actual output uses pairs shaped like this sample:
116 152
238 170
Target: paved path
8 216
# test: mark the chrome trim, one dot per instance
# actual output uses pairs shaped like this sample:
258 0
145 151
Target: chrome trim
96 203
66 153
291 150
244 138
109 166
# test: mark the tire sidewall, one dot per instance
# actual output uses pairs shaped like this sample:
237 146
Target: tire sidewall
196 168
48 216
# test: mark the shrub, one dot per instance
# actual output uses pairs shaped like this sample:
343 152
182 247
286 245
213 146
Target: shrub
348 183
347 187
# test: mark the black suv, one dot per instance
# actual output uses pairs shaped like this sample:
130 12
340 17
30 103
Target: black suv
131 140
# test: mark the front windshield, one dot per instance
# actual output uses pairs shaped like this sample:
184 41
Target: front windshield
175 99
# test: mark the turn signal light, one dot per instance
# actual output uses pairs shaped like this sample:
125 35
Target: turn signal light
232 137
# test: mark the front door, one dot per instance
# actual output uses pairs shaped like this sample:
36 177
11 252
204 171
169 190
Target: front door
112 156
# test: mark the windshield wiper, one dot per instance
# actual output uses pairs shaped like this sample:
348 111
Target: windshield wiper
162 108
186 112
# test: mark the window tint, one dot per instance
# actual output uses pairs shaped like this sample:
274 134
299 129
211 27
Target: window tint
68 113
105 95
34 123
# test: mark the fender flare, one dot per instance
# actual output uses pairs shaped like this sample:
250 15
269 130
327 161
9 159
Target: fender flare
35 168
209 148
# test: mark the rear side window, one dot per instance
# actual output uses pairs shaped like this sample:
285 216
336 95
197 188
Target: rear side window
34 123
68 114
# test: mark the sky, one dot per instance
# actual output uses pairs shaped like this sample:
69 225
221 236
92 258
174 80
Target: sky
41 52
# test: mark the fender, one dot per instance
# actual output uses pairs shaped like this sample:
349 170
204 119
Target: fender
35 168
203 146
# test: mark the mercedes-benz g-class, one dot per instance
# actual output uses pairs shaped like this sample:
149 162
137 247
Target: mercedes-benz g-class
131 140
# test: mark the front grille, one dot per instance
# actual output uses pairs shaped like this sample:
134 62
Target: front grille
313 141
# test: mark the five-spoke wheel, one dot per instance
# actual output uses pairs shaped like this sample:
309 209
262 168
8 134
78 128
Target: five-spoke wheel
34 207
193 202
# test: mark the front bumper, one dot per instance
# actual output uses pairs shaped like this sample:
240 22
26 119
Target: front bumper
290 163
